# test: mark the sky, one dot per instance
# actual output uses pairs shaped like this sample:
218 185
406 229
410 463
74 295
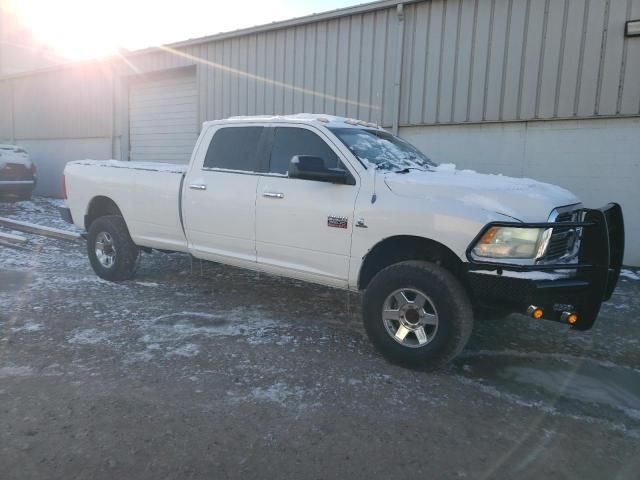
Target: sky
83 29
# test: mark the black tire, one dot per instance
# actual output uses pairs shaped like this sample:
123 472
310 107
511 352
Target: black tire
126 253
449 300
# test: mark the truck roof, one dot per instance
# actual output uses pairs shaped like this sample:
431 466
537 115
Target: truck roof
310 118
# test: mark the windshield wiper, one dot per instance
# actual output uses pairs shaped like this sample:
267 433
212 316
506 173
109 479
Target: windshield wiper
408 169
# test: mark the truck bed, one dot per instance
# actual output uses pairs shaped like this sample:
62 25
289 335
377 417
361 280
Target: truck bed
147 194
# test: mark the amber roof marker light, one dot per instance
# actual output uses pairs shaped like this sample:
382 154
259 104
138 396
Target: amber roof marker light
570 317
535 312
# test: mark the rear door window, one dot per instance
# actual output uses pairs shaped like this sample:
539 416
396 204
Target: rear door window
235 148
290 141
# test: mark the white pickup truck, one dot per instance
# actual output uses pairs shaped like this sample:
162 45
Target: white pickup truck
344 203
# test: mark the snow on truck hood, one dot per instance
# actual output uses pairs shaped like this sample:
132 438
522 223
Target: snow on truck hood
521 198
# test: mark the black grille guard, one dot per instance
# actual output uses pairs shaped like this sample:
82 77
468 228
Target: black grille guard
598 265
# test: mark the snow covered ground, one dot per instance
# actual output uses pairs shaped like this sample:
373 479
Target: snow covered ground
194 369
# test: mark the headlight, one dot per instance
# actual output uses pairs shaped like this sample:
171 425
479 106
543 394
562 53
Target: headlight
512 242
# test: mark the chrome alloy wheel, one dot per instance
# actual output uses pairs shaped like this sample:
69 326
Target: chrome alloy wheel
105 250
410 317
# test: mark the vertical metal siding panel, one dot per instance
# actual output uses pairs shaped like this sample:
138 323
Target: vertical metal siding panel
514 58
532 55
241 77
591 61
261 72
493 87
298 69
570 62
463 70
420 34
289 69
391 53
331 75
252 46
630 98
447 63
211 85
234 84
367 58
226 74
435 39
355 51
219 82
342 71
409 49
379 63
202 83
608 101
281 72
270 74
551 55
479 59
309 67
320 68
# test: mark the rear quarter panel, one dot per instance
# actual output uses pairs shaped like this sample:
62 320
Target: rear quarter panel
147 198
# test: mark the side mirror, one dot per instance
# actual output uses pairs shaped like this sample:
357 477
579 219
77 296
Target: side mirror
307 167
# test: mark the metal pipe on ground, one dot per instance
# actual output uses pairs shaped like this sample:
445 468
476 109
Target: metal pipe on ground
39 229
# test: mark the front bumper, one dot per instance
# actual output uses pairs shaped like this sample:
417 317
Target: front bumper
591 281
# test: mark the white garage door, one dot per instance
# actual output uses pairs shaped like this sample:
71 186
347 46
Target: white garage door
163 119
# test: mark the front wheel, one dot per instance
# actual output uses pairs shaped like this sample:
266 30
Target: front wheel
417 314
112 253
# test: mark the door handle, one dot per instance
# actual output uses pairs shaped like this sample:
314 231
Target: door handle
197 187
273 195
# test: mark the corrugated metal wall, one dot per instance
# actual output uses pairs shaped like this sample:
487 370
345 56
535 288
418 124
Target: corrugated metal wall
464 61
74 102
503 60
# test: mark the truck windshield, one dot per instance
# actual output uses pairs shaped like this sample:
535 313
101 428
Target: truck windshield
382 149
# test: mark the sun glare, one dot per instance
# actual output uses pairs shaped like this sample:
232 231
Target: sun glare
76 29
83 29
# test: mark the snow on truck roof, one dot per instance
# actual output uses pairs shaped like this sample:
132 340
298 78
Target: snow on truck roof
313 118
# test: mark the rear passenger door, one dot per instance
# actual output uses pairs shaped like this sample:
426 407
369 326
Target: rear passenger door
304 227
219 194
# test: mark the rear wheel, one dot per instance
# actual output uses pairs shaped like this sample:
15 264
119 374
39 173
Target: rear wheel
112 253
417 314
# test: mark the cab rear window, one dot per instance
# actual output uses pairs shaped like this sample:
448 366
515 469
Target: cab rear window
235 148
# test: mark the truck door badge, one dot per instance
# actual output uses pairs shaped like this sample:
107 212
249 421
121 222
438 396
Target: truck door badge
337 222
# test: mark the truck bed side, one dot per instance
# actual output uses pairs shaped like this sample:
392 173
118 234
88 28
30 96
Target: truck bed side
147 195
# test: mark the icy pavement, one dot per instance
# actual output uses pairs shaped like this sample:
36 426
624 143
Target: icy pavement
195 370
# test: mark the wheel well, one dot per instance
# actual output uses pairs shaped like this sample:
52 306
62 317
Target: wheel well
99 207
404 247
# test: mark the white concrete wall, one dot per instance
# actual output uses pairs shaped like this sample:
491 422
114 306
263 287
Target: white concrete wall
599 159
50 157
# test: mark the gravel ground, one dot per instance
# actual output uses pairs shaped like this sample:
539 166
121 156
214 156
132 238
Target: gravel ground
196 370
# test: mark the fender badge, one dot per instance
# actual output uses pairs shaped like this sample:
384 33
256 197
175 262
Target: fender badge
337 222
360 223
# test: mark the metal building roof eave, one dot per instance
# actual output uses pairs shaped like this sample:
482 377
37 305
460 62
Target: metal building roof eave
312 18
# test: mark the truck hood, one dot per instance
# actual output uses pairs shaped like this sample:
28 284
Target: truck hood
520 198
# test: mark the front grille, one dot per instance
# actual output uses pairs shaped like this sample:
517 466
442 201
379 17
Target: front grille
15 171
563 239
